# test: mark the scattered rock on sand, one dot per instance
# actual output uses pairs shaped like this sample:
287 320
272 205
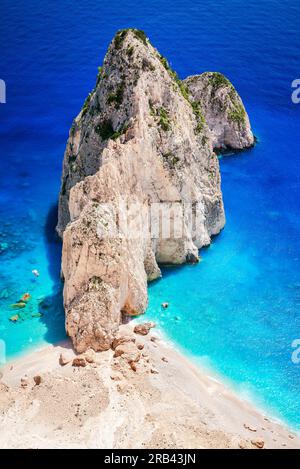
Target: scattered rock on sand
153 338
122 339
89 356
154 371
64 359
164 359
144 328
248 427
140 346
133 366
24 382
259 443
129 351
79 361
37 379
116 377
243 444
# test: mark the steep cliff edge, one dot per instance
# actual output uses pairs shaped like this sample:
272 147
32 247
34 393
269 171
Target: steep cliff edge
140 186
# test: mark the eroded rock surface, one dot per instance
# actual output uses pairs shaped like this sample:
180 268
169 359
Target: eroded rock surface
223 110
141 140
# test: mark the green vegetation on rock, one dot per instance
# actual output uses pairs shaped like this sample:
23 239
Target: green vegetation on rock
199 116
163 115
204 140
95 283
139 34
72 158
152 110
186 94
96 109
129 51
106 131
147 65
99 76
120 36
238 114
86 104
217 80
171 158
117 96
164 119
183 88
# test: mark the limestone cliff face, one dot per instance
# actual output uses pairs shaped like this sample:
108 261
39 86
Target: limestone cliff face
141 141
223 110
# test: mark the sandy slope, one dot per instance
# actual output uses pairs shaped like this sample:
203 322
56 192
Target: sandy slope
166 403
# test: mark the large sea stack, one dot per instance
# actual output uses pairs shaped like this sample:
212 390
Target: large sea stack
143 139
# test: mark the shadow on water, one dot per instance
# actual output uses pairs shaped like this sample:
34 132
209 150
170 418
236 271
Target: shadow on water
53 244
51 306
170 270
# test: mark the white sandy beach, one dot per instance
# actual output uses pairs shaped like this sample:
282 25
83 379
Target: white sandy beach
167 402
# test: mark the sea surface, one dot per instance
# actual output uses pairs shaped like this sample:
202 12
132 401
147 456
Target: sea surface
238 310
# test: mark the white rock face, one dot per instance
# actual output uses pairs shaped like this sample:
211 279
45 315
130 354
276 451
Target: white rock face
138 140
223 110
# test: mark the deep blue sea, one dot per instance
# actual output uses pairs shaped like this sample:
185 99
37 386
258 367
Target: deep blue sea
238 310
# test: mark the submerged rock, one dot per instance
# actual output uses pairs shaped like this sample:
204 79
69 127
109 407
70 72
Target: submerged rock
4 294
14 318
18 305
3 247
140 142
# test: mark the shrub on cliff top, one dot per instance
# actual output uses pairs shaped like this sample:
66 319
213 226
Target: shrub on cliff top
139 34
217 80
120 36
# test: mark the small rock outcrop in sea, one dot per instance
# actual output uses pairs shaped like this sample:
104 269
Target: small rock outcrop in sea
141 140
222 109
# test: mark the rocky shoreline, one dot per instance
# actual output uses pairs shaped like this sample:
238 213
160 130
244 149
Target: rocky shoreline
144 138
124 398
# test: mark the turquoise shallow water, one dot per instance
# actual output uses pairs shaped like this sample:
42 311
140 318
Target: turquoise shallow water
238 310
